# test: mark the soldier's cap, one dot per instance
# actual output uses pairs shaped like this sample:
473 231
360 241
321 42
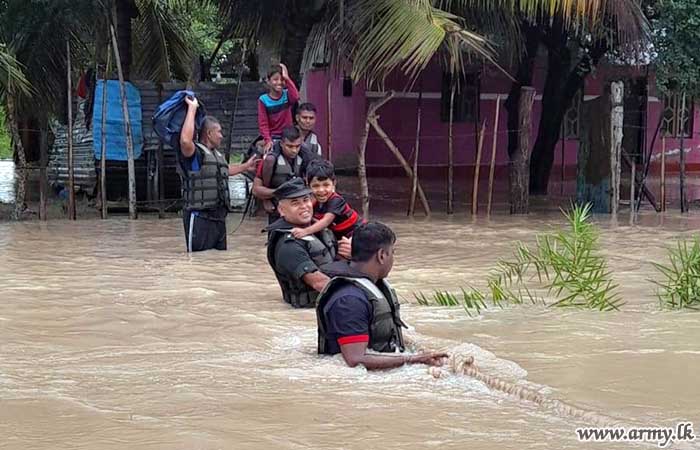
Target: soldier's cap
293 188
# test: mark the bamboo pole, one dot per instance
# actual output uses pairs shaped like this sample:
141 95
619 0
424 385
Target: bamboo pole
494 146
450 155
477 169
563 155
632 186
361 163
43 162
103 137
663 173
329 117
684 202
71 179
127 125
414 180
406 167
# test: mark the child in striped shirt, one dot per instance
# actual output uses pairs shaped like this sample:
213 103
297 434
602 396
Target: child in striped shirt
275 107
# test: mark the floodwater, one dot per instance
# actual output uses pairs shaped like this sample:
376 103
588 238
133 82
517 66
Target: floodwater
7 181
112 337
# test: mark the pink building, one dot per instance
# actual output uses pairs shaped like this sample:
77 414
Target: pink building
398 118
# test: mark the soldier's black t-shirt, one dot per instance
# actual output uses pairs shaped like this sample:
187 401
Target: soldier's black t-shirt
348 316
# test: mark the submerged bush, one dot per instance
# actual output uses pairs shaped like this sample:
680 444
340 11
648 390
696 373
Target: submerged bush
680 287
566 265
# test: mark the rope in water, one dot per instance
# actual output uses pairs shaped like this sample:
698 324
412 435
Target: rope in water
464 364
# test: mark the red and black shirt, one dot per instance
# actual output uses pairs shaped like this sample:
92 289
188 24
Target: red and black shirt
346 218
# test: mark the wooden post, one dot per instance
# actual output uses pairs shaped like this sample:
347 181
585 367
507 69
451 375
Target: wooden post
563 155
361 163
71 180
616 130
127 125
43 163
520 160
684 200
103 137
633 169
450 155
362 171
329 117
414 180
397 154
477 169
494 147
159 161
663 173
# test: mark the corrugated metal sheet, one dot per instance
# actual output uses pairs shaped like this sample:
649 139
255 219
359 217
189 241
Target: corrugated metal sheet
83 161
219 101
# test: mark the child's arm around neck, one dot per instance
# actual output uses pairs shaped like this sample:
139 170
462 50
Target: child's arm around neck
314 228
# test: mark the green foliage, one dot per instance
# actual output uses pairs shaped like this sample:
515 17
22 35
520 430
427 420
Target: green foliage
5 141
676 25
680 287
565 264
472 300
206 27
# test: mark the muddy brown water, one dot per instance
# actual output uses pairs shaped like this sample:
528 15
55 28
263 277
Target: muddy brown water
112 337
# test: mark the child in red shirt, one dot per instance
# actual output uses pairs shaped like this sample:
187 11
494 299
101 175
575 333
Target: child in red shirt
275 107
330 208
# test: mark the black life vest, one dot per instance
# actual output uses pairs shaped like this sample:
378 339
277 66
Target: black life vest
206 188
385 333
321 249
282 170
314 147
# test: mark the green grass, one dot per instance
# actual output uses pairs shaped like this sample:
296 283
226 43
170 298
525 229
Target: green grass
5 142
680 287
565 265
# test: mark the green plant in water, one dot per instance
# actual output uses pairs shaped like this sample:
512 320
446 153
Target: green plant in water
472 300
680 287
566 264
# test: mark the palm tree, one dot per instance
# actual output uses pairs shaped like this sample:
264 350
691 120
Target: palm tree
35 32
379 36
372 38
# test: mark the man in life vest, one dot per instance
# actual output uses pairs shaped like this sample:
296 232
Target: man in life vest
306 120
298 263
204 173
287 160
358 309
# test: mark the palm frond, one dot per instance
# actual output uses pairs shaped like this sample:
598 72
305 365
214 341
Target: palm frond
162 50
12 77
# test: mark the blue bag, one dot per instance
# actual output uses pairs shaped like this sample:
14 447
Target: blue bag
170 116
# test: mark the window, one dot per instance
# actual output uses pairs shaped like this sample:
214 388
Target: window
678 116
466 101
571 126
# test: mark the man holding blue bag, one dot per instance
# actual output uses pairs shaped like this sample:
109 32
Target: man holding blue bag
204 172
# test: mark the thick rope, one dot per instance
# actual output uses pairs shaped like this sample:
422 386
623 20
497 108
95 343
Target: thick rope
464 364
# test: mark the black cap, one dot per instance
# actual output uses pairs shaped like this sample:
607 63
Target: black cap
293 188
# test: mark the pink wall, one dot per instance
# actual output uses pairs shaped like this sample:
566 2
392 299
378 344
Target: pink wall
398 118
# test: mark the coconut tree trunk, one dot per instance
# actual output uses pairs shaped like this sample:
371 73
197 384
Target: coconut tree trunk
20 158
562 84
523 77
519 161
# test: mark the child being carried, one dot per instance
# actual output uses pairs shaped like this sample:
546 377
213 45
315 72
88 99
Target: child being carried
330 208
